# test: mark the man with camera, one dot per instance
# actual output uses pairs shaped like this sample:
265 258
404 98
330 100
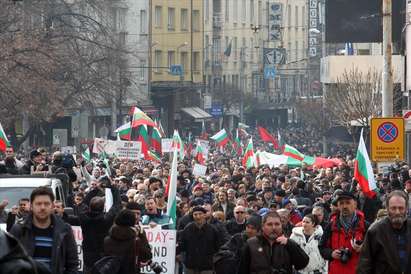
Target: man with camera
342 239
271 252
386 243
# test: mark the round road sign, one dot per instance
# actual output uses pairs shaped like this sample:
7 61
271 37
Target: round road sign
387 132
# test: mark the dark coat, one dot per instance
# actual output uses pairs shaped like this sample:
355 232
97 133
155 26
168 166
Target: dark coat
64 259
227 260
379 254
233 227
229 214
121 242
199 244
259 256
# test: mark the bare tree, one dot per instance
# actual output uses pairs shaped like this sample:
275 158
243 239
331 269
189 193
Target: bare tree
356 97
312 113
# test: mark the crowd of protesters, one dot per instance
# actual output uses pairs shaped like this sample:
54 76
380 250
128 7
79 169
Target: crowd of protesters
259 220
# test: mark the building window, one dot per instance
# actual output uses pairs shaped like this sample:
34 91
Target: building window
227 10
289 16
252 49
184 61
184 19
142 70
207 10
252 11
304 23
171 58
235 12
235 48
244 11
143 21
196 20
260 13
196 61
157 61
171 19
157 17
296 16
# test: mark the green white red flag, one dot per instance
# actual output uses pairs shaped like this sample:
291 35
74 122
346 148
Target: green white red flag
124 132
140 118
156 141
4 142
363 171
171 188
237 144
86 155
293 153
221 138
200 153
145 141
248 158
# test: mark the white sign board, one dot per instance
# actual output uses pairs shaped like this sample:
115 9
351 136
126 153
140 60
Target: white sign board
78 236
384 167
406 113
166 145
121 149
199 170
69 149
163 247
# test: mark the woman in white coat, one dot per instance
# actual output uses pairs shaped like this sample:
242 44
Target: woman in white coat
308 237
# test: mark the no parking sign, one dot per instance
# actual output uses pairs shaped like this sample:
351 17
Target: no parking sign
387 139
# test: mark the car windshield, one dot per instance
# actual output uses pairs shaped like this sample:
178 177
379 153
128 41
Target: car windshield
14 194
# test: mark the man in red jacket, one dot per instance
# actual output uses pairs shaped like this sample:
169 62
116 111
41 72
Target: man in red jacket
342 239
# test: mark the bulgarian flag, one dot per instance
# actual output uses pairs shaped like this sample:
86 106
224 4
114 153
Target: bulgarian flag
86 155
189 145
144 139
172 183
179 143
156 141
221 138
124 131
200 153
267 137
237 144
154 156
140 118
4 142
248 159
363 172
160 128
293 153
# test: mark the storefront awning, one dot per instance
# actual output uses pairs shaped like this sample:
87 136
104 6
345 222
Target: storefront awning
197 113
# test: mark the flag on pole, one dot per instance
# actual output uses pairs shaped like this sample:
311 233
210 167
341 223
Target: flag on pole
189 145
144 139
160 128
86 155
140 118
153 156
124 132
204 134
221 138
237 144
200 153
4 142
363 171
293 153
172 183
279 140
156 141
248 159
267 137
180 144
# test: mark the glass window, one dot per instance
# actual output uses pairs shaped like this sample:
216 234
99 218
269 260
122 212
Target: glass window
157 17
196 20
143 21
157 60
171 18
184 19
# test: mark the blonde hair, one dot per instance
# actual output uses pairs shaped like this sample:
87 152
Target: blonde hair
219 215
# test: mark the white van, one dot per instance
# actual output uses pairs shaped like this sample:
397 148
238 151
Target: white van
13 188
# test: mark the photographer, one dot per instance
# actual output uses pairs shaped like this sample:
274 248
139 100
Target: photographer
342 239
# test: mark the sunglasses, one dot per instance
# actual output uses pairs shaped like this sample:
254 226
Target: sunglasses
239 212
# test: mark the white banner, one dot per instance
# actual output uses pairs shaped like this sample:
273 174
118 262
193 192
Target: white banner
163 247
68 150
166 145
199 170
121 149
78 236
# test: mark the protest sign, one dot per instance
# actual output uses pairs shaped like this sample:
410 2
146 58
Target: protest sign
68 150
78 236
163 246
167 145
127 150
199 170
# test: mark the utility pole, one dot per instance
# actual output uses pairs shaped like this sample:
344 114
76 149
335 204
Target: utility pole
387 82
242 86
408 69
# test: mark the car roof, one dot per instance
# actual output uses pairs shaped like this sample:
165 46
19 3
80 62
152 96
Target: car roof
25 181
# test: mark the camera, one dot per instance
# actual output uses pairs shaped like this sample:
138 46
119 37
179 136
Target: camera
345 255
156 267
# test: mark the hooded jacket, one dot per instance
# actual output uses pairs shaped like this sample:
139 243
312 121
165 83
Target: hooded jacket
311 248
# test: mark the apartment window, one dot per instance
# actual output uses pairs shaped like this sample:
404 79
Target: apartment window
227 10
171 18
296 16
235 49
289 16
207 9
252 11
142 70
196 20
252 49
235 12
143 21
157 61
157 17
260 13
244 11
304 23
184 61
196 61
171 58
184 19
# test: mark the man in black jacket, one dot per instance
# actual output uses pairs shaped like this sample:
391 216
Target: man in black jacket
46 238
271 252
200 241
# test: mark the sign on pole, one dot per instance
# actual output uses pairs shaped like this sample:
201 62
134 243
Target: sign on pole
166 145
387 139
406 114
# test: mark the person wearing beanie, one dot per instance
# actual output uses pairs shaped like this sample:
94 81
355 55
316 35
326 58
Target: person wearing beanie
234 247
121 241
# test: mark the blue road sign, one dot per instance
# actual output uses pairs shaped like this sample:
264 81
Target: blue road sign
269 72
176 70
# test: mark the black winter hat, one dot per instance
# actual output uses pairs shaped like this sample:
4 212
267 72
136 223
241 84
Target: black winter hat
125 218
255 221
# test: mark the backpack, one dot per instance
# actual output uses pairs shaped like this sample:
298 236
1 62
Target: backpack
225 262
107 265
